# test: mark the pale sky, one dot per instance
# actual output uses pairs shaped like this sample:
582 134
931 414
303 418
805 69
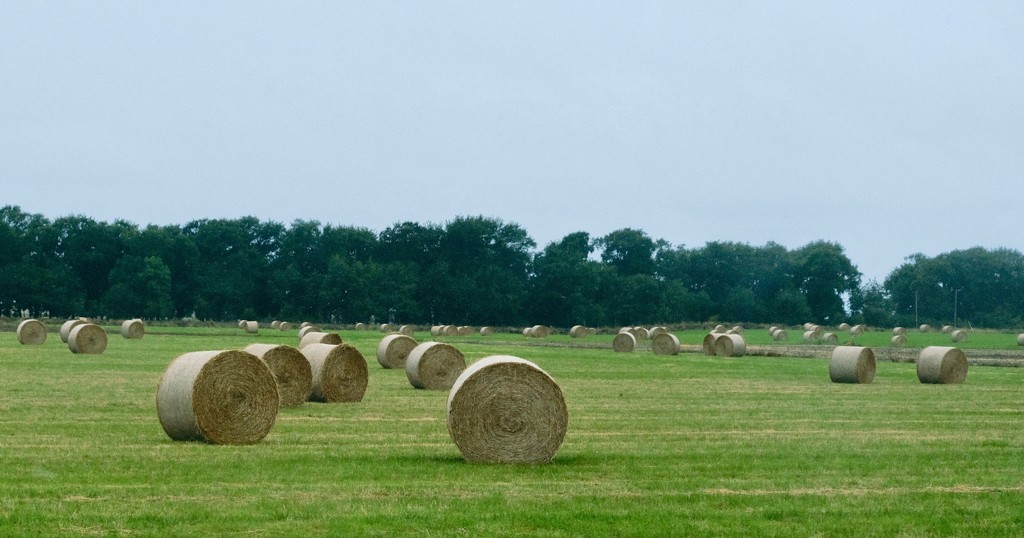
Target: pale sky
888 127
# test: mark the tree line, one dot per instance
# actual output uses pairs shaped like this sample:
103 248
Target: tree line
473 270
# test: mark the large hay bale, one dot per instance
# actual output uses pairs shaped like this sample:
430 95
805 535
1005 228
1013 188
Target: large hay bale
623 342
31 332
578 331
303 331
465 330
386 328
539 331
808 326
925 328
655 331
65 329
87 338
276 324
844 327
436 330
393 350
830 339
252 327
898 340
1020 339
737 329
943 365
317 337
291 371
504 409
818 331
772 329
719 329
285 326
339 372
780 335
852 364
361 326
730 345
133 329
407 330
709 343
526 331
958 335
241 323
305 324
857 330
434 365
486 331
642 333
220 397
665 344
899 330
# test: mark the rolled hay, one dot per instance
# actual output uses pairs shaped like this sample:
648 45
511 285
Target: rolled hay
899 330
844 327
317 337
730 345
360 326
252 327
434 366
540 331
133 329
450 330
772 329
486 331
592 330
285 326
655 331
1020 339
818 330
504 409
276 324
942 365
947 329
339 373
852 364
808 326
31 332
665 344
437 330
578 331
465 330
241 323
780 335
393 350
291 371
305 324
407 330
386 328
220 397
709 343
623 342
526 331
303 331
898 340
718 329
830 339
857 330
738 329
642 333
925 328
65 329
958 335
87 338
810 336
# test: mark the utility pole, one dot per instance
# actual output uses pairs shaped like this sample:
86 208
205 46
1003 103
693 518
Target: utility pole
956 299
917 323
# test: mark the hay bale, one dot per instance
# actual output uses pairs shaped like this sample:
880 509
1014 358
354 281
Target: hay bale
1020 339
655 331
407 330
275 324
772 329
31 332
526 331
291 371
830 339
852 364
241 323
465 330
434 365
386 328
578 331
540 331
339 372
730 345
844 327
133 329
252 327
65 329
305 324
958 335
942 365
486 331
899 330
303 331
361 326
87 338
947 329
318 337
925 328
437 330
665 344
285 326
504 409
738 329
818 331
642 333
393 350
898 340
810 336
709 343
719 329
220 397
857 330
780 335
624 342
450 330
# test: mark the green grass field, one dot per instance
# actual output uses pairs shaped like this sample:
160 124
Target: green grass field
686 445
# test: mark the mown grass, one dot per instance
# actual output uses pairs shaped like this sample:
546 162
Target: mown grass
657 446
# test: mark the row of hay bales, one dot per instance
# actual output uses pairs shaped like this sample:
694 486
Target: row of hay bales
79 334
537 331
724 344
581 331
935 365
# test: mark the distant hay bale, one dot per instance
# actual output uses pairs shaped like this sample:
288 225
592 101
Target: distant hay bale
709 343
437 330
665 344
899 330
133 329
772 329
857 330
925 328
360 326
291 371
844 327
31 332
810 336
465 330
504 409
394 349
450 330
655 331
958 335
65 329
486 331
830 339
220 397
526 331
407 330
305 324
285 326
898 340
252 327
942 365
578 331
339 372
241 323
852 364
624 342
1020 339
780 335
275 324
308 329
818 331
87 338
730 345
539 331
434 366
317 337
642 333
947 329
808 326
719 329
738 329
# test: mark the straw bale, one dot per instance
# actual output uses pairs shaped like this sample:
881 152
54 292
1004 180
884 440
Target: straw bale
665 344
772 329
486 331
730 345
133 329
540 331
318 337
526 331
925 328
899 330
780 335
437 330
808 326
655 331
407 330
285 326
738 329
434 365
818 330
305 324
947 329
719 329
852 364
339 372
252 327
450 330
275 324
830 338
624 342
241 323
857 330
1020 339
87 338
810 336
942 365
958 335
361 326
578 331
308 329
65 329
393 350
291 371
386 328
31 332
642 333
709 343
898 340
844 327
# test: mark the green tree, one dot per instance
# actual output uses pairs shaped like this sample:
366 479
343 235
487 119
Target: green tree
825 275
139 287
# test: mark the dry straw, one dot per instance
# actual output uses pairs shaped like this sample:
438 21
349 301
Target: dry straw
393 350
709 343
852 364
316 337
1020 339
285 326
844 327
221 397
925 328
504 409
624 342
898 340
486 331
730 345
31 332
65 329
303 331
434 365
407 330
665 344
830 339
87 338
780 335
959 335
291 371
943 365
339 373
252 327
133 329
899 331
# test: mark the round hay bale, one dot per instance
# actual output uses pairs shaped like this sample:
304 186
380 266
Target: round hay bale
465 330
220 397
360 326
526 331
857 330
87 338
780 335
303 331
65 329
540 331
772 329
241 323
665 344
947 329
925 328
642 333
852 364
486 331
942 365
592 330
285 326
709 343
810 336
437 330
730 345
316 337
407 330
808 326
291 371
818 330
1020 339
434 365
655 331
450 330
830 339
899 330
719 329
898 340
31 332
504 409
339 371
133 329
393 350
624 343
252 327
275 324
958 335
386 328
578 331
305 324
738 329
844 327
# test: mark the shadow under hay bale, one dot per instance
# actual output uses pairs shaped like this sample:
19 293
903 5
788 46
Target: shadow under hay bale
339 373
434 366
291 371
852 364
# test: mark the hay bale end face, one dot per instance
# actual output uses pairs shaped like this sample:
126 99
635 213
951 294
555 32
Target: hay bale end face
486 331
339 373
220 397
291 371
504 409
87 338
1020 339
730 345
942 365
844 327
780 335
315 337
393 350
623 342
709 343
252 327
285 326
665 344
958 335
31 332
133 329
434 366
65 329
830 339
852 364
898 340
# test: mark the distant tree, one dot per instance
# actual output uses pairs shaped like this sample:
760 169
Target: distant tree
139 287
825 275
629 251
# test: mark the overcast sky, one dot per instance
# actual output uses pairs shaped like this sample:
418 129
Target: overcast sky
888 127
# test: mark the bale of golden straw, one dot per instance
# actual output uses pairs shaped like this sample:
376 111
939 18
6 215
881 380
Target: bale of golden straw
655 331
450 330
830 339
465 330
407 330
730 345
220 397
386 328
434 366
437 330
486 331
31 332
292 373
719 329
959 335
810 336
623 342
317 337
540 331
818 330
844 327
526 331
87 338
899 330
852 364
339 372
709 343
241 323
898 340
942 365
252 327
65 329
578 331
504 409
393 350
285 326
780 335
133 329
665 344
642 333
